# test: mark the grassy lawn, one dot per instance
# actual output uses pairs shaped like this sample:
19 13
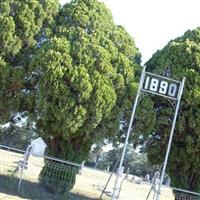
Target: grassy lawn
29 190
88 186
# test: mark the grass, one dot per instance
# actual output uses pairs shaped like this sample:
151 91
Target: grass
29 190
88 186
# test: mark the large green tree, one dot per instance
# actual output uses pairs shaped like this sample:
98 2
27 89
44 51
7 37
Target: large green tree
87 79
180 57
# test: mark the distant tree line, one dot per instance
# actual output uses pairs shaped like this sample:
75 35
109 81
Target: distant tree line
135 163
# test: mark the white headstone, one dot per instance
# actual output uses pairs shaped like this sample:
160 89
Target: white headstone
38 147
147 178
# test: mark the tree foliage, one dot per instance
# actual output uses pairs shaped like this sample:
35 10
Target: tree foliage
182 57
18 132
23 24
95 155
134 163
86 81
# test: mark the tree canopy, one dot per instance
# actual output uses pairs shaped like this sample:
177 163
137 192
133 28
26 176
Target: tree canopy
182 58
134 163
22 25
87 72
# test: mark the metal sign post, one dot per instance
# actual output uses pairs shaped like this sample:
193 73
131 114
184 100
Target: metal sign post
161 86
116 188
170 138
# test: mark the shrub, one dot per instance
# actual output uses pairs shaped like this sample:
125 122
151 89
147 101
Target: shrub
58 178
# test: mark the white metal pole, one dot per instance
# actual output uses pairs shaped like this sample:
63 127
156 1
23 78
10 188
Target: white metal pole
117 182
21 168
170 138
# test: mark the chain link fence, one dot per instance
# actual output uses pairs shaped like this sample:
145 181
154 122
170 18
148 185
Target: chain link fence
48 178
36 178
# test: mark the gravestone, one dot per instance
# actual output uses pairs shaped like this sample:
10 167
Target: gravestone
38 147
147 178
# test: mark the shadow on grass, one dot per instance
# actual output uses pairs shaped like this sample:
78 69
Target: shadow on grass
30 190
77 197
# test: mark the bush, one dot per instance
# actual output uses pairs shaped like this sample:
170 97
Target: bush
58 178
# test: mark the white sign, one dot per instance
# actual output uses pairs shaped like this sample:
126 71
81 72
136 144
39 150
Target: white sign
160 85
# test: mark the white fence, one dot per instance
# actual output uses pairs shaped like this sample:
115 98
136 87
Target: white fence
89 182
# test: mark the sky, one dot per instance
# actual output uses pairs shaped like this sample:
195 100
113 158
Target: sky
153 23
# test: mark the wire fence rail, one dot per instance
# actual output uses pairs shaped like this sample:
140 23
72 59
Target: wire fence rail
45 178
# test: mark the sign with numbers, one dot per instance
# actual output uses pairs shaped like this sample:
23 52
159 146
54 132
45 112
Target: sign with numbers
160 85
